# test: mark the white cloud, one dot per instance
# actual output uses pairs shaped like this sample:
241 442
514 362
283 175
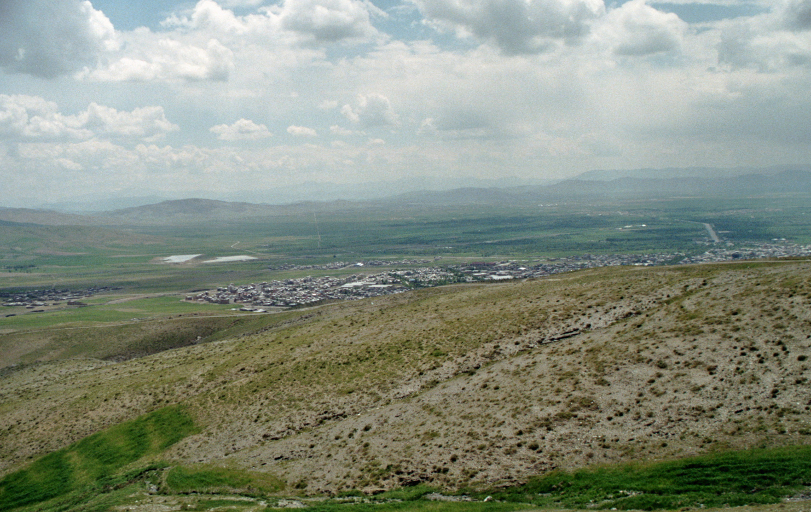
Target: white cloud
312 21
329 20
244 129
69 164
636 29
340 131
301 131
141 123
33 118
209 15
770 42
457 125
48 39
797 14
371 110
516 27
230 4
154 58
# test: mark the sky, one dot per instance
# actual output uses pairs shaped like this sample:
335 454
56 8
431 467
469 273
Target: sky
218 98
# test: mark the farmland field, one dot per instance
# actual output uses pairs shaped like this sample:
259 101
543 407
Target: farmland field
131 256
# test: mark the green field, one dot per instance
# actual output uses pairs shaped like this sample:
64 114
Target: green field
73 256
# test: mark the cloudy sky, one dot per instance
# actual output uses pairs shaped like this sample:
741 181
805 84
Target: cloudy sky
220 96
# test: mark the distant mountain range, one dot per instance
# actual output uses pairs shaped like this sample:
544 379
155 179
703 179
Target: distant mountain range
306 191
591 186
685 172
640 185
783 182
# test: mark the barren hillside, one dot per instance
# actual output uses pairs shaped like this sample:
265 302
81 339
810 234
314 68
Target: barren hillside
466 385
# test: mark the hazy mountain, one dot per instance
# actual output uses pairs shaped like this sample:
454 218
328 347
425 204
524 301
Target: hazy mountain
45 217
313 191
689 172
90 204
627 187
307 191
602 186
783 182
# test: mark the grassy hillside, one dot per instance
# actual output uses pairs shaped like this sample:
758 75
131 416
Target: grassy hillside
466 387
92 461
119 329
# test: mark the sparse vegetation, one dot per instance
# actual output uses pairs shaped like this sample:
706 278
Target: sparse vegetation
471 388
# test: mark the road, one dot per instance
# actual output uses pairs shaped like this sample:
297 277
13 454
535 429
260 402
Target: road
712 233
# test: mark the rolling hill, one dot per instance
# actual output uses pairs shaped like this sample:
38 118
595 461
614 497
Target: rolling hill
469 386
586 188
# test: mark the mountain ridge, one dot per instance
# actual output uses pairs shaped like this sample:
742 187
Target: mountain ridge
791 182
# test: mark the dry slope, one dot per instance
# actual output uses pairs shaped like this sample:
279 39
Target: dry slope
468 385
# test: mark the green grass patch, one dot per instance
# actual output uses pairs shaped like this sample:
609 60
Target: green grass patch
715 480
211 479
96 460
100 312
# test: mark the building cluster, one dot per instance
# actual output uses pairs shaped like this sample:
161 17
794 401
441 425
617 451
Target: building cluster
302 291
500 271
336 265
753 252
311 290
32 299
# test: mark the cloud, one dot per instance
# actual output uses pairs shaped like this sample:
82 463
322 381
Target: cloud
311 21
340 131
516 27
301 131
771 42
47 39
153 58
372 110
457 125
329 20
241 3
69 164
209 15
244 129
142 123
797 14
636 29
33 118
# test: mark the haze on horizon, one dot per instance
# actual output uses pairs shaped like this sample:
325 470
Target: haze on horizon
113 97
